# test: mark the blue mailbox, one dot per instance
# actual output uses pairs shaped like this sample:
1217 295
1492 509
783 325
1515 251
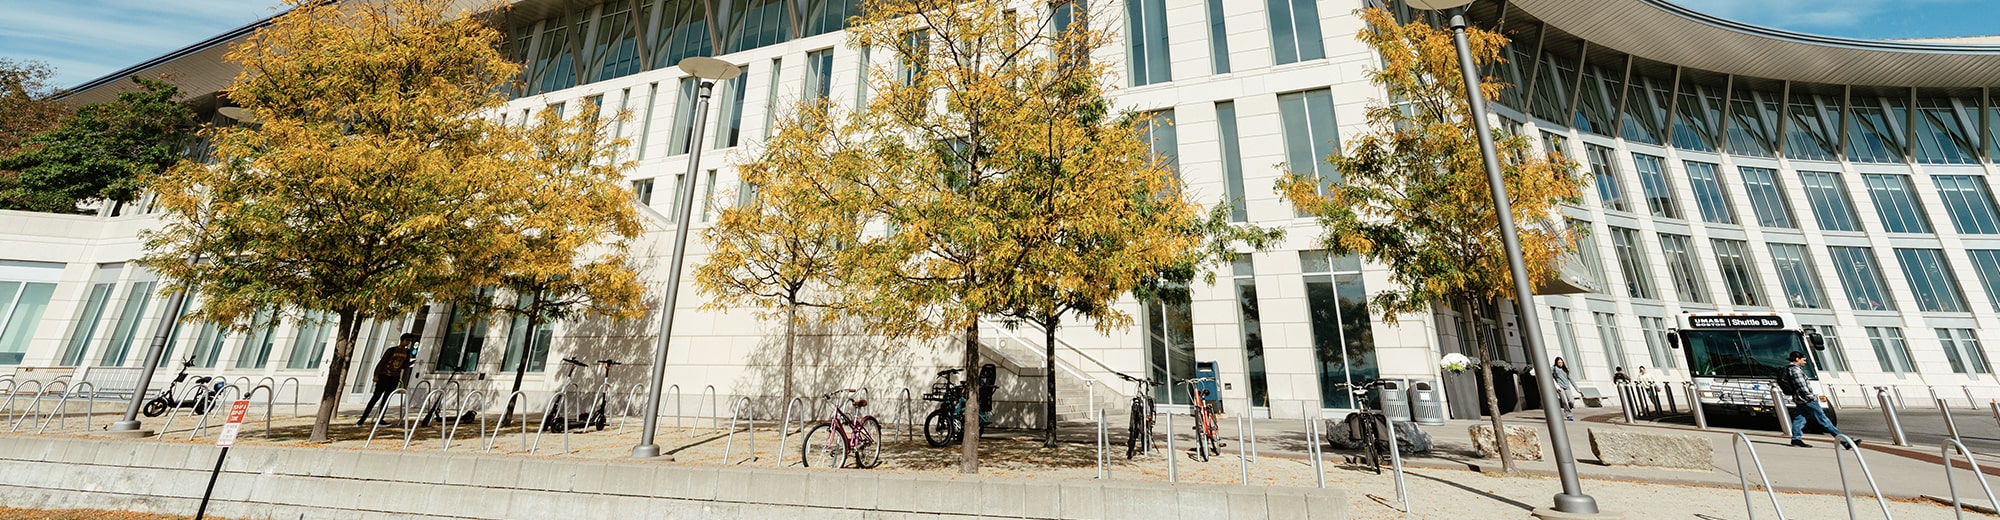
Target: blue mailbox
1210 391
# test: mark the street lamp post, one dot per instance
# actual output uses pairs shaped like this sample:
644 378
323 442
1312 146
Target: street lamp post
710 70
1571 503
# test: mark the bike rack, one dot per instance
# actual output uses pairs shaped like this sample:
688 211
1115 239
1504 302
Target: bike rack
40 420
1313 448
1736 446
1173 471
707 392
1242 461
495 438
14 422
295 393
270 398
1950 426
424 406
201 426
421 389
459 417
559 407
1396 464
785 425
62 408
1840 461
376 424
745 409
1944 449
40 392
631 397
906 413
674 390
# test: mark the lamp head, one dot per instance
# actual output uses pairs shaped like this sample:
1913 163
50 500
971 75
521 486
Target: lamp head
710 68
1438 5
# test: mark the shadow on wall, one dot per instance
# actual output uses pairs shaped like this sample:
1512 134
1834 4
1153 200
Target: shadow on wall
833 356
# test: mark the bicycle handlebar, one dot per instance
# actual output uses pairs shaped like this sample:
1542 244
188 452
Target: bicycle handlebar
609 363
573 361
1193 380
829 395
950 371
1148 380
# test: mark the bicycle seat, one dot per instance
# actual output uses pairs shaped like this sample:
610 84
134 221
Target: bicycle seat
860 403
950 371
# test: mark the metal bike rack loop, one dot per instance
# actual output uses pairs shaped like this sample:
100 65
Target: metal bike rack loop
1889 416
743 408
39 416
1242 460
412 423
495 438
1312 444
270 400
1173 471
375 425
1847 493
200 427
1251 413
1737 444
1100 444
558 408
707 394
1944 449
14 422
458 417
62 408
295 393
675 391
795 405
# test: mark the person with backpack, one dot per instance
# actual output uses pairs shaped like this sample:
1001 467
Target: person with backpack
1805 405
388 373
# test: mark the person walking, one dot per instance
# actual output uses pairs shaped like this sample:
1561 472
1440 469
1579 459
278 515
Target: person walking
1805 405
1564 386
388 373
1618 375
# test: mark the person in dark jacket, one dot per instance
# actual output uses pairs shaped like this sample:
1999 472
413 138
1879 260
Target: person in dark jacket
1804 404
1564 386
388 373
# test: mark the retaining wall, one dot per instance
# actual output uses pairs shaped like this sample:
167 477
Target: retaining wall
286 483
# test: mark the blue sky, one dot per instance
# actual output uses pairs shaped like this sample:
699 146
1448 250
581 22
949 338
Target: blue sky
85 39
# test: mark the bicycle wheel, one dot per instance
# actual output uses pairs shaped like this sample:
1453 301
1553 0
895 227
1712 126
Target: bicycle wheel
939 428
868 444
1135 431
1371 446
1202 441
823 448
552 418
155 407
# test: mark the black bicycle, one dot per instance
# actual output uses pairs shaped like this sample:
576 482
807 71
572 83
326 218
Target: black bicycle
1368 426
1139 433
946 424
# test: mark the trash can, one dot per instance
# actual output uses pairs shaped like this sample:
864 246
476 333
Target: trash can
1394 401
1426 403
1210 391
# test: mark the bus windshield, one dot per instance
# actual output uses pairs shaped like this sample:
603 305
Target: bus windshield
1742 354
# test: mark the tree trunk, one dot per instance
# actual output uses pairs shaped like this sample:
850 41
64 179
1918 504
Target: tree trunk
527 349
1049 380
791 342
968 458
1492 398
343 353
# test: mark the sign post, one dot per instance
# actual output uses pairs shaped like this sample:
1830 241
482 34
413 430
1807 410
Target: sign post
237 410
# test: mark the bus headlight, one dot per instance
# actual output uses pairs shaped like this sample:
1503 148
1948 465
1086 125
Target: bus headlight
1708 394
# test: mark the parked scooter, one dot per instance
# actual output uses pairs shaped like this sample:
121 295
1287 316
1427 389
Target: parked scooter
201 395
593 414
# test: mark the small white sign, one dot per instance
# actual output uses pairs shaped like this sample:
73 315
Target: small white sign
229 428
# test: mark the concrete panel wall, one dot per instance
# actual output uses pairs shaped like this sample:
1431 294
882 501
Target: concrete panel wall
268 482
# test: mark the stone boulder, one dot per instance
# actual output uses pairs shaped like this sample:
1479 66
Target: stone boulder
1409 438
1521 441
1657 450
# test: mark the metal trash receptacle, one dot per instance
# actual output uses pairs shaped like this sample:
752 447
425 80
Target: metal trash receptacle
1394 401
1426 403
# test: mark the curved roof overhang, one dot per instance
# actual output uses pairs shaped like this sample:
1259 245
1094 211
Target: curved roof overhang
1661 31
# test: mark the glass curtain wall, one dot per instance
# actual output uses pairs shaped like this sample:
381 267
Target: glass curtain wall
21 307
1343 337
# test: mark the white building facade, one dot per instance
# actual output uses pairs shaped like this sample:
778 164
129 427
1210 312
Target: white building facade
1858 200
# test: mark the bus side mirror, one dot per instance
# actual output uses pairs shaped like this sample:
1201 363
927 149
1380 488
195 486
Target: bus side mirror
1815 340
1673 339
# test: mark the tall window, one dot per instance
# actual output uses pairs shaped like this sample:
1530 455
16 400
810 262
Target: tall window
1961 348
1310 135
1708 193
642 191
825 16
683 117
1655 330
256 349
1941 138
1632 259
1834 358
1897 203
1797 274
1931 279
1831 206
86 325
209 344
1863 281
21 308
819 76
1659 191
617 48
1609 190
1986 262
1566 338
757 23
1968 203
645 121
1169 346
1739 272
1586 249
1343 340
1252 328
1684 268
1218 38
730 132
1232 161
126 332
771 90
1607 333
518 336
1146 41
1295 33
310 345
1767 198
1891 352
1870 135
1162 139
464 341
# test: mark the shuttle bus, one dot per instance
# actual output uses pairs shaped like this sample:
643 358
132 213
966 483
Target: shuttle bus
1735 359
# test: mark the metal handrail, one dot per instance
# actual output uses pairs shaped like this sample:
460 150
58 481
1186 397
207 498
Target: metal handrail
1945 450
1847 444
745 409
376 424
1737 444
1059 341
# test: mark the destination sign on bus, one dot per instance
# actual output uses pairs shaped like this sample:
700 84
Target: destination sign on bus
1735 322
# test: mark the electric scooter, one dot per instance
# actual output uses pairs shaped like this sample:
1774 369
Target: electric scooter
201 395
593 416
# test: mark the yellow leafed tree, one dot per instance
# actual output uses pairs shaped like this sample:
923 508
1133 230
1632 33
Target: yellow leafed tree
375 178
1413 194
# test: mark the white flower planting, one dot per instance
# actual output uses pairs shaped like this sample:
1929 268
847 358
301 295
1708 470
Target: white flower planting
1454 362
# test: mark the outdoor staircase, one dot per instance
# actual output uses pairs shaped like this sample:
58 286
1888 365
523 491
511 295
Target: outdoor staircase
1021 348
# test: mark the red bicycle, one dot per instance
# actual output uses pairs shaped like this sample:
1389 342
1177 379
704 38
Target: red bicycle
1204 419
828 444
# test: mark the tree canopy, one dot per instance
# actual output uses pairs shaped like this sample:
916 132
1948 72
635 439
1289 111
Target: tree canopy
100 153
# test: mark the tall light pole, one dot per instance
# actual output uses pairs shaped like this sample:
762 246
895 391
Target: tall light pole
1571 503
710 70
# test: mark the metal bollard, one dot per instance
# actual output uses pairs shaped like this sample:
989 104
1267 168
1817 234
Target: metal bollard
1996 409
1100 444
1626 401
1694 403
1900 401
1173 471
1969 401
1950 426
1319 468
1779 404
1865 401
1242 460
1396 464
1247 410
1833 397
1672 407
1889 416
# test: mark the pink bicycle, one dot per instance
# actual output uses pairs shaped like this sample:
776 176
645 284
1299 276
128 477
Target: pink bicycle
829 442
